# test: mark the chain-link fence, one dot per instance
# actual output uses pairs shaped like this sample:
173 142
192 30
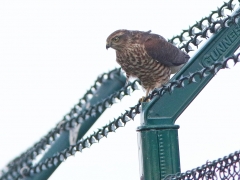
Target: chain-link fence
226 168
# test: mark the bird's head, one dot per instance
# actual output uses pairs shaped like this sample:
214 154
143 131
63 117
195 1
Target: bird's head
118 39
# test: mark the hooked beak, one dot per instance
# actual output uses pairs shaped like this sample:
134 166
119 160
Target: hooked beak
108 46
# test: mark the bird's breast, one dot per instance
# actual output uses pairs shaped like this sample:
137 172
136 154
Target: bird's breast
132 56
137 63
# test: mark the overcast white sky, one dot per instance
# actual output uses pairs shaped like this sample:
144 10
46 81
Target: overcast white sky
52 51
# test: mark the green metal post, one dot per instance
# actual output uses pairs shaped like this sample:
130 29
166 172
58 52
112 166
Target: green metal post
159 148
157 135
116 83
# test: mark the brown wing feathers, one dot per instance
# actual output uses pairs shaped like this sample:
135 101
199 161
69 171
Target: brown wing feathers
164 52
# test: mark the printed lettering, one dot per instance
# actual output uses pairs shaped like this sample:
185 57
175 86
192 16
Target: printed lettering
237 30
221 48
232 35
215 54
227 41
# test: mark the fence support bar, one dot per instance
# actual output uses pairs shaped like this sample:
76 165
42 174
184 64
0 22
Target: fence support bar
159 145
116 83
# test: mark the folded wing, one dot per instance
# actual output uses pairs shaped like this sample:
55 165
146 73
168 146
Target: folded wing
164 52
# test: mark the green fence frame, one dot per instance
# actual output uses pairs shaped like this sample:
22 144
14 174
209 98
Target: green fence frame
158 134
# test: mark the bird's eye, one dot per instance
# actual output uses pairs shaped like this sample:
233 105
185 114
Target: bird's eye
116 39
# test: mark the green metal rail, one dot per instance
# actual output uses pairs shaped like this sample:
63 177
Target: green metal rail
158 134
116 83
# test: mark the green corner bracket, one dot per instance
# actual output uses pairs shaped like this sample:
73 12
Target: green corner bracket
158 134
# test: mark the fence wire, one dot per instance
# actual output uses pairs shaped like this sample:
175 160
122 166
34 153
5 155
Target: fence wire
227 167
22 165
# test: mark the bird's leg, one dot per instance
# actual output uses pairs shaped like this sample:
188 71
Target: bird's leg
127 80
147 92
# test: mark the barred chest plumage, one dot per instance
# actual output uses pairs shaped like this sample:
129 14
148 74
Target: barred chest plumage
137 63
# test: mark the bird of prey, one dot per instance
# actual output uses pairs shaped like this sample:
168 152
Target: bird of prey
146 56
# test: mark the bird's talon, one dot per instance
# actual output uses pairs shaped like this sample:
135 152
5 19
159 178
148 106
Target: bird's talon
143 99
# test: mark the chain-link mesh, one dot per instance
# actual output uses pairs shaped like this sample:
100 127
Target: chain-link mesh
77 115
22 165
227 167
202 29
127 116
